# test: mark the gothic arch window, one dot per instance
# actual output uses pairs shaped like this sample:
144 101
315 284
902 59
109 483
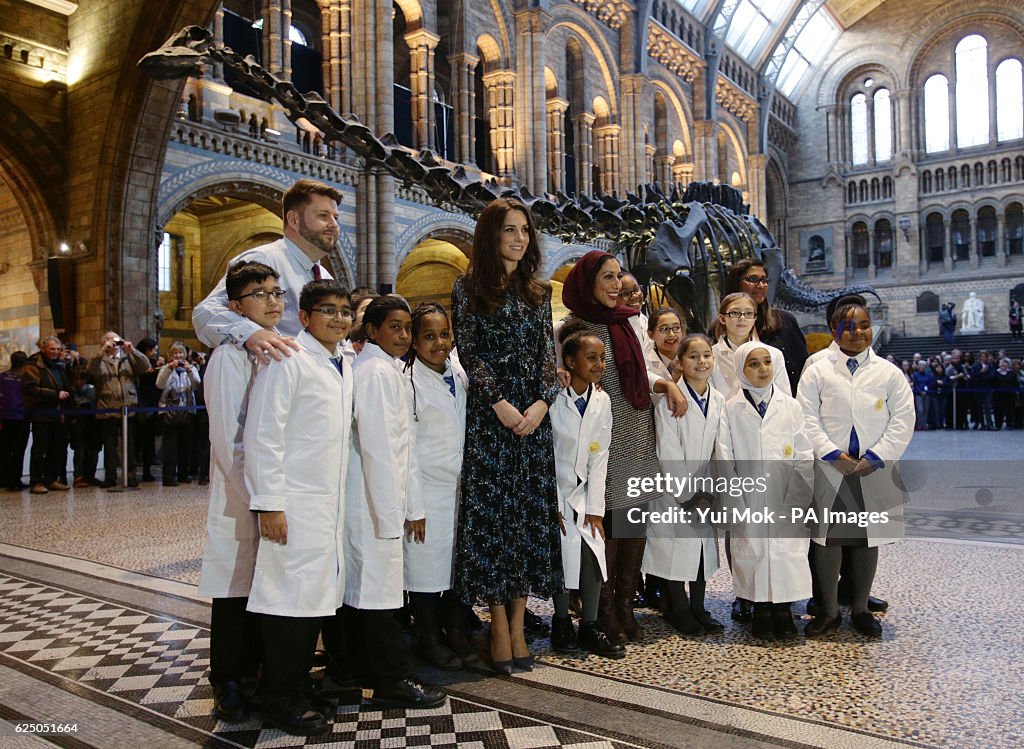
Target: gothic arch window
936 114
960 234
859 129
1009 100
883 244
883 125
861 249
971 55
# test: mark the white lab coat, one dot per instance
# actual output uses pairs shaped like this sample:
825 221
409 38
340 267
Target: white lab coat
232 529
723 377
879 402
382 490
766 564
581 465
440 423
685 447
297 431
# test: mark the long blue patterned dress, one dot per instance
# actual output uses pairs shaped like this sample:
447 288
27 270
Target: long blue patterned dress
508 538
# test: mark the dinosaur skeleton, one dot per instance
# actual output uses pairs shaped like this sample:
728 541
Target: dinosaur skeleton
683 242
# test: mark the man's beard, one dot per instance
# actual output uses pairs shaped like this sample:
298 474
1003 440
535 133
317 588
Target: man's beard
315 239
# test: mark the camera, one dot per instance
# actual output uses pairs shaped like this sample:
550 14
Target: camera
118 342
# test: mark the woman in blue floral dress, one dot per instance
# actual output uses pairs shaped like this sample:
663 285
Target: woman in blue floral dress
508 537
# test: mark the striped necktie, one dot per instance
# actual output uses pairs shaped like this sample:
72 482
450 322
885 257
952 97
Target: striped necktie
852 364
581 405
761 408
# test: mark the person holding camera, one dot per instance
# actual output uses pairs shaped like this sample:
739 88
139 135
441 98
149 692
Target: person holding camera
45 388
178 380
115 371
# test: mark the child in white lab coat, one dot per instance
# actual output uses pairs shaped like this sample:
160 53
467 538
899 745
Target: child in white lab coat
734 327
383 503
860 419
297 431
664 331
232 531
439 416
581 422
687 550
762 437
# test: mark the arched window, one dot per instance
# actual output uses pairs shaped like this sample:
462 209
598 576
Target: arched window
987 231
1009 101
965 175
851 192
859 128
883 125
960 230
972 91
861 245
926 182
936 114
934 237
951 177
1015 229
883 244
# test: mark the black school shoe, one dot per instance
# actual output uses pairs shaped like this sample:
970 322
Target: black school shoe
866 624
563 635
294 716
408 694
762 624
595 641
534 625
741 610
821 625
229 703
782 621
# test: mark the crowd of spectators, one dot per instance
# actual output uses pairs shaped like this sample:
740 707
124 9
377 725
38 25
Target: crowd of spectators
958 390
66 401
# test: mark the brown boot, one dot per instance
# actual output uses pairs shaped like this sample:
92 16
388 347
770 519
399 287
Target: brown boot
630 556
607 621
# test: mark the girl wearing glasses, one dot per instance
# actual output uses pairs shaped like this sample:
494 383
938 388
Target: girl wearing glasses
734 327
665 331
774 326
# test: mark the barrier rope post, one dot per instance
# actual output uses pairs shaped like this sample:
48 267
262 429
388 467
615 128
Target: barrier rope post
124 487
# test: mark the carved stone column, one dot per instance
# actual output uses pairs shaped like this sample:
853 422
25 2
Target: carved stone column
530 119
608 157
498 86
947 252
556 143
904 135
664 171
583 125
975 251
272 50
218 37
463 67
633 162
682 171
286 38
650 173
422 44
336 34
757 168
1001 240
705 149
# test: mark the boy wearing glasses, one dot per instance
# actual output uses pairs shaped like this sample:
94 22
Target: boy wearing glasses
232 531
296 450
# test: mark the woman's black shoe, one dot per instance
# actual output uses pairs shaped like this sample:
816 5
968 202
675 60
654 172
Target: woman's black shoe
877 604
295 717
563 635
741 610
595 641
822 624
866 623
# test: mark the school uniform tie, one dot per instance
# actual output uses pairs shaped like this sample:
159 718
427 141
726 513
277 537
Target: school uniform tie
761 408
336 361
854 449
852 364
450 379
317 273
581 405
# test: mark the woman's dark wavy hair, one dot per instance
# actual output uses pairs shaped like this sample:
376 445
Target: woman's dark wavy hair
768 320
486 282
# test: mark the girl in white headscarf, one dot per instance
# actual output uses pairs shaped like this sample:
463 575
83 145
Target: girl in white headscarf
762 439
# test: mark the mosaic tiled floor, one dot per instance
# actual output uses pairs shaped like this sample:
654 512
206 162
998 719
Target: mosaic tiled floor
160 664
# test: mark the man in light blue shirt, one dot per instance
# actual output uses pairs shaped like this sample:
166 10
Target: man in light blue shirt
310 211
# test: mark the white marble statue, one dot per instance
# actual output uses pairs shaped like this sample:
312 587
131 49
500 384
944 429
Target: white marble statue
972 318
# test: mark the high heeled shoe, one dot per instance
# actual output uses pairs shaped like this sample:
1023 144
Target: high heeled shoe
525 663
503 667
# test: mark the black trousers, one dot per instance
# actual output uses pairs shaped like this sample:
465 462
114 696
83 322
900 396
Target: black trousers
110 431
48 461
13 441
288 648
148 427
367 644
176 447
235 640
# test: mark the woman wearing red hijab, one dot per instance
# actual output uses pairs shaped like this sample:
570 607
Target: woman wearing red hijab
591 292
